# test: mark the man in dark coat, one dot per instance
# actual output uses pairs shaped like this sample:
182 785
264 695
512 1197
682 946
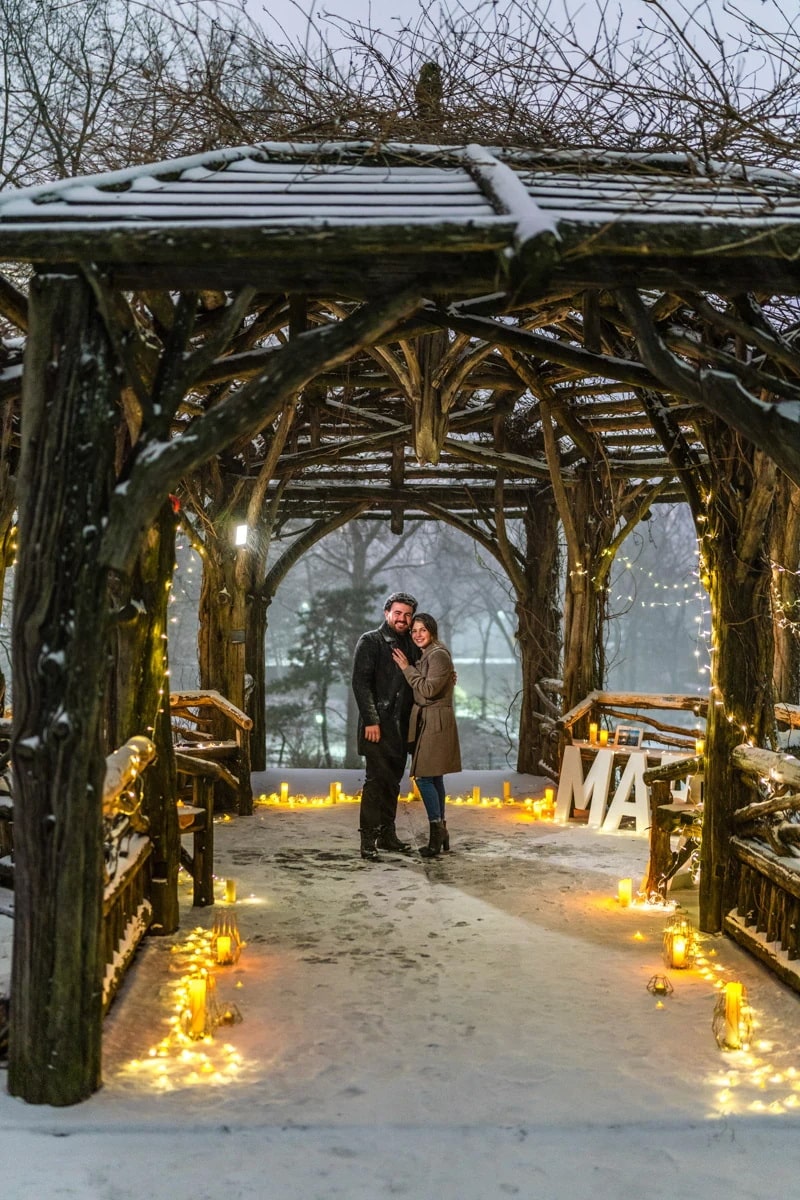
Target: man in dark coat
384 706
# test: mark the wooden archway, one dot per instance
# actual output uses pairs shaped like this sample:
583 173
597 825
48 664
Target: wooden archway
410 329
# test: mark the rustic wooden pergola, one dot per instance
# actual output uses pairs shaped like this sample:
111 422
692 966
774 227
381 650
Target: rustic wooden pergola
338 331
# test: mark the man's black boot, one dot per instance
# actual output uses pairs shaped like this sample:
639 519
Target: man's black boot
434 846
368 849
388 840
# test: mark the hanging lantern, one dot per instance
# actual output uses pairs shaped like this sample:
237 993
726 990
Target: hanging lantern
732 1022
659 985
226 941
679 943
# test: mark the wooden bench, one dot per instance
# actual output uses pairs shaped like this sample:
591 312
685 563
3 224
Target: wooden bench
197 717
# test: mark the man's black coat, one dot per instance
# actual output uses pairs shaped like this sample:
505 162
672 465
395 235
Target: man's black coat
382 694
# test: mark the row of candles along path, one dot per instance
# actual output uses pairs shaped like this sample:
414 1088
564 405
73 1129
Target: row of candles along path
543 808
732 1021
219 948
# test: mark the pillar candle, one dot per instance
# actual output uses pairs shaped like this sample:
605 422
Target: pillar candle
224 949
624 892
284 792
603 737
678 953
549 796
197 1005
733 1008
230 891
476 795
506 789
593 732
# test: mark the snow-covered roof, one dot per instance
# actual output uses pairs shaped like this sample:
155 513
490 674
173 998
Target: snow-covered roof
328 200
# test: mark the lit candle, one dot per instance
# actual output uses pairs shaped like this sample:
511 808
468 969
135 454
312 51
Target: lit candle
506 789
593 732
224 954
284 792
625 891
476 795
549 797
197 1005
230 891
700 745
537 809
733 1011
603 737
678 953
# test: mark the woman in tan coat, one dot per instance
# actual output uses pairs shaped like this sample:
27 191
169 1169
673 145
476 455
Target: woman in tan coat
432 730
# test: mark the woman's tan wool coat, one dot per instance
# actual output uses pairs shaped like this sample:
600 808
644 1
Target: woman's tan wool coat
433 729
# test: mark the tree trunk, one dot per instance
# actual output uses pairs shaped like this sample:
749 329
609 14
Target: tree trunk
785 553
141 705
256 679
221 626
60 655
593 513
221 643
737 574
538 624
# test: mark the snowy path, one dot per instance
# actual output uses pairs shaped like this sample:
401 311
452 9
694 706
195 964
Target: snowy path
474 1027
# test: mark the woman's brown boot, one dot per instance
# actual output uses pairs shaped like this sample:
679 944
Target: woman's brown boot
434 845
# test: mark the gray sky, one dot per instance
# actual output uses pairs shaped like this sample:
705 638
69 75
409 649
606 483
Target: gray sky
388 15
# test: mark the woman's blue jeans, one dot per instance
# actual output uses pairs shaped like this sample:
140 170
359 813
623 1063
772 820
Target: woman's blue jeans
431 788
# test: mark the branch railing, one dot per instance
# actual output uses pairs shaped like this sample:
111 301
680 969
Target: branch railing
195 715
764 880
127 910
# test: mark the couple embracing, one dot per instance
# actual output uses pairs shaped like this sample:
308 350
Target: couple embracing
403 682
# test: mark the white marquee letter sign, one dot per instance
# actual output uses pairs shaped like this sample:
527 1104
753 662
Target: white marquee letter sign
575 791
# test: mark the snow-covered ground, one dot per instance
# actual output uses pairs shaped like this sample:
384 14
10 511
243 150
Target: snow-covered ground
478 1026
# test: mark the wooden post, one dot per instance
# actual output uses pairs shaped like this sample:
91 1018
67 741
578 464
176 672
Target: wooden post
60 655
538 637
660 846
203 847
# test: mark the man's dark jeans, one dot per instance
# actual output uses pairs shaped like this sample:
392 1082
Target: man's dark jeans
385 763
